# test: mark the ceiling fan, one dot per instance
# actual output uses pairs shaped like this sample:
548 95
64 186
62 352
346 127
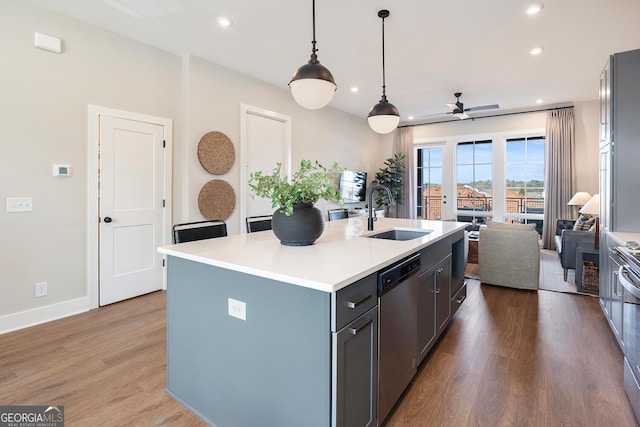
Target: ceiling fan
460 112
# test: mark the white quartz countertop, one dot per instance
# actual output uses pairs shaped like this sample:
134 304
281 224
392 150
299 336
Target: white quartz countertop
338 258
624 237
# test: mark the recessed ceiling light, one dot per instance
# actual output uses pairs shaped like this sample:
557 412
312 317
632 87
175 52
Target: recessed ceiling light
536 51
534 9
410 118
224 22
539 101
354 89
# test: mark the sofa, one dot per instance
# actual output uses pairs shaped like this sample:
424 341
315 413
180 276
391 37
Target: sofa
567 240
509 255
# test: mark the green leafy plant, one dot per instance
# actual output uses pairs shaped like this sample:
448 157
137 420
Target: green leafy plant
311 182
392 177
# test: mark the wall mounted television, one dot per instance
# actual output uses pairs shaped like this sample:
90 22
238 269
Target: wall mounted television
353 186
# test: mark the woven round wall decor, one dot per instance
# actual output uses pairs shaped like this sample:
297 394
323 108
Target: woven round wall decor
216 153
216 200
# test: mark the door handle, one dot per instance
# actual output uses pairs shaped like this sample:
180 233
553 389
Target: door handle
107 219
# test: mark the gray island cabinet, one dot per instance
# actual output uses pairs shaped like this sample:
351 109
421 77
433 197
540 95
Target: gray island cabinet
263 334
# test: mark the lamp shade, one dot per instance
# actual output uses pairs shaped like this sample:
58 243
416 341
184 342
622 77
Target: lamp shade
383 117
312 86
592 207
579 199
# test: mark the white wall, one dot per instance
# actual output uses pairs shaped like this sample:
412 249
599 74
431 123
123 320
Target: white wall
43 120
327 135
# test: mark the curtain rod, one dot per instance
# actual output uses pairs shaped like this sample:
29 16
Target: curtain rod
485 117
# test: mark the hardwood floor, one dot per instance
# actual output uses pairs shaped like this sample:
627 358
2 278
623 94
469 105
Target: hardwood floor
520 358
510 358
106 367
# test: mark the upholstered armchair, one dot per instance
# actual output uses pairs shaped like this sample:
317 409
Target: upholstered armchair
509 255
567 241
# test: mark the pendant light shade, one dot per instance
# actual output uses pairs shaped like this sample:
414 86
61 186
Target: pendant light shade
384 116
313 86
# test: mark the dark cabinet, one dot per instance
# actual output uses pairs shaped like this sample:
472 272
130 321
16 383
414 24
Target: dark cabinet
354 372
426 313
434 304
619 180
443 294
619 148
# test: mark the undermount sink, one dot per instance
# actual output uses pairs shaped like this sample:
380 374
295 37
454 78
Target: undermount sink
398 234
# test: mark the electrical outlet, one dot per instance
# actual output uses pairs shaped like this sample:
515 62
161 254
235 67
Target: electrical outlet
238 309
41 289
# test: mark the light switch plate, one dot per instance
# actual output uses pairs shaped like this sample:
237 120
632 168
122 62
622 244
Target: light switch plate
19 204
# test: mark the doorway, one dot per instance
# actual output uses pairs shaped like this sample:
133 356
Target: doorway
265 139
129 213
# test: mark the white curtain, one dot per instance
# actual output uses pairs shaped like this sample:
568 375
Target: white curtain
403 142
560 179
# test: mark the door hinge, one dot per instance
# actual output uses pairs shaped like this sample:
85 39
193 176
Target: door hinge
164 144
163 203
163 263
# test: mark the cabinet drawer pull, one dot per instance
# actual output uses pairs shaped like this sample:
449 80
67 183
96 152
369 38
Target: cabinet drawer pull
354 304
461 299
355 329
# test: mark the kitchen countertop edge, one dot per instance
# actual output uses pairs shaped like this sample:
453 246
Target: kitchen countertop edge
341 256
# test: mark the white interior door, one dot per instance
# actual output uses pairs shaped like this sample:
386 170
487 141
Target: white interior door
265 141
130 208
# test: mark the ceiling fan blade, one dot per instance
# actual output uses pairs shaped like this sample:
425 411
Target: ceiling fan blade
452 106
462 116
483 107
438 114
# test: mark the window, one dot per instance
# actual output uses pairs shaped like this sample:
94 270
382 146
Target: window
524 180
474 168
429 194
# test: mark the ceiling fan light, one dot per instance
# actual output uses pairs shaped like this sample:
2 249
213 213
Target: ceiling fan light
313 86
383 117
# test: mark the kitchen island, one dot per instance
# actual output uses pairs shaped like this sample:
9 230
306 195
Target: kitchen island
264 334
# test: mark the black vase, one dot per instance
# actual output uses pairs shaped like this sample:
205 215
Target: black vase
300 229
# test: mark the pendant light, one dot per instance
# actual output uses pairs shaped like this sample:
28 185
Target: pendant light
313 86
384 116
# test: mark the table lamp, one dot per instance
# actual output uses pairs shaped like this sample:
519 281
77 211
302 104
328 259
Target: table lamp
592 207
579 199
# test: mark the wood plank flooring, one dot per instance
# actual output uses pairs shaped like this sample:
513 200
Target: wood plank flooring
520 358
107 367
510 358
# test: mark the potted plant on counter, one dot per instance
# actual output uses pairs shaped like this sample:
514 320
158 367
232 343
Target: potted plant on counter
296 221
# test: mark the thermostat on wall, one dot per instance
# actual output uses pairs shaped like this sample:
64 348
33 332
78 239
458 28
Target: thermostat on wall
61 170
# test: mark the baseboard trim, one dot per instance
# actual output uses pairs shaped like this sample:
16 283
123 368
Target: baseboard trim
36 316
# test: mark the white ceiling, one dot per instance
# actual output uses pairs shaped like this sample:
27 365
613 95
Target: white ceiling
433 48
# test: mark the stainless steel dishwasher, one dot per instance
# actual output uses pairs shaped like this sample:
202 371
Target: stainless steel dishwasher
398 331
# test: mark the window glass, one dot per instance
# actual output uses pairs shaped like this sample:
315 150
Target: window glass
474 176
524 180
429 192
